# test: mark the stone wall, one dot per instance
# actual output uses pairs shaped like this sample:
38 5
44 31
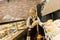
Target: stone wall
16 8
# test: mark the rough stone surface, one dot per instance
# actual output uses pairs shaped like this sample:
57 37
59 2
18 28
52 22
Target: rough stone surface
16 8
